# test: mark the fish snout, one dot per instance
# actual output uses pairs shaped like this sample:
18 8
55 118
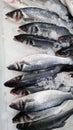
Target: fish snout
17 105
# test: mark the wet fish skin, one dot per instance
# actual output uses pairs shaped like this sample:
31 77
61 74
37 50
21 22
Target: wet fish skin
30 63
30 79
38 41
65 51
44 29
52 122
32 102
23 117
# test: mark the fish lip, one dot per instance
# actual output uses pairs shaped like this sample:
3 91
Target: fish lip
15 39
9 83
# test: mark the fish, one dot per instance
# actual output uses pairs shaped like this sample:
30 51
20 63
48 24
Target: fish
44 29
60 8
38 62
40 100
65 51
31 79
55 121
38 15
36 41
48 83
23 117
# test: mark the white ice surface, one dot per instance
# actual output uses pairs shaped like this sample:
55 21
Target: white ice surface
11 51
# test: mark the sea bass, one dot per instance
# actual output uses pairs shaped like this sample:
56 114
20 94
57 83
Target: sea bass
55 121
41 100
31 79
23 117
38 62
60 8
36 41
38 15
44 29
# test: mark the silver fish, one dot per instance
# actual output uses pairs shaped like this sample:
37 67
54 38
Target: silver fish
36 41
38 15
60 8
44 29
41 100
55 121
39 62
23 117
31 79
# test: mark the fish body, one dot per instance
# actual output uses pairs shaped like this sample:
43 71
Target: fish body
38 15
44 29
38 41
41 100
23 117
39 62
56 121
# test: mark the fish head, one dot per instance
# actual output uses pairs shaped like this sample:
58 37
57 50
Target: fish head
24 28
17 66
17 105
16 15
20 38
14 82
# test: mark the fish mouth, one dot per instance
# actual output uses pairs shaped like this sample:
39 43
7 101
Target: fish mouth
10 83
15 38
14 106
11 67
18 38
